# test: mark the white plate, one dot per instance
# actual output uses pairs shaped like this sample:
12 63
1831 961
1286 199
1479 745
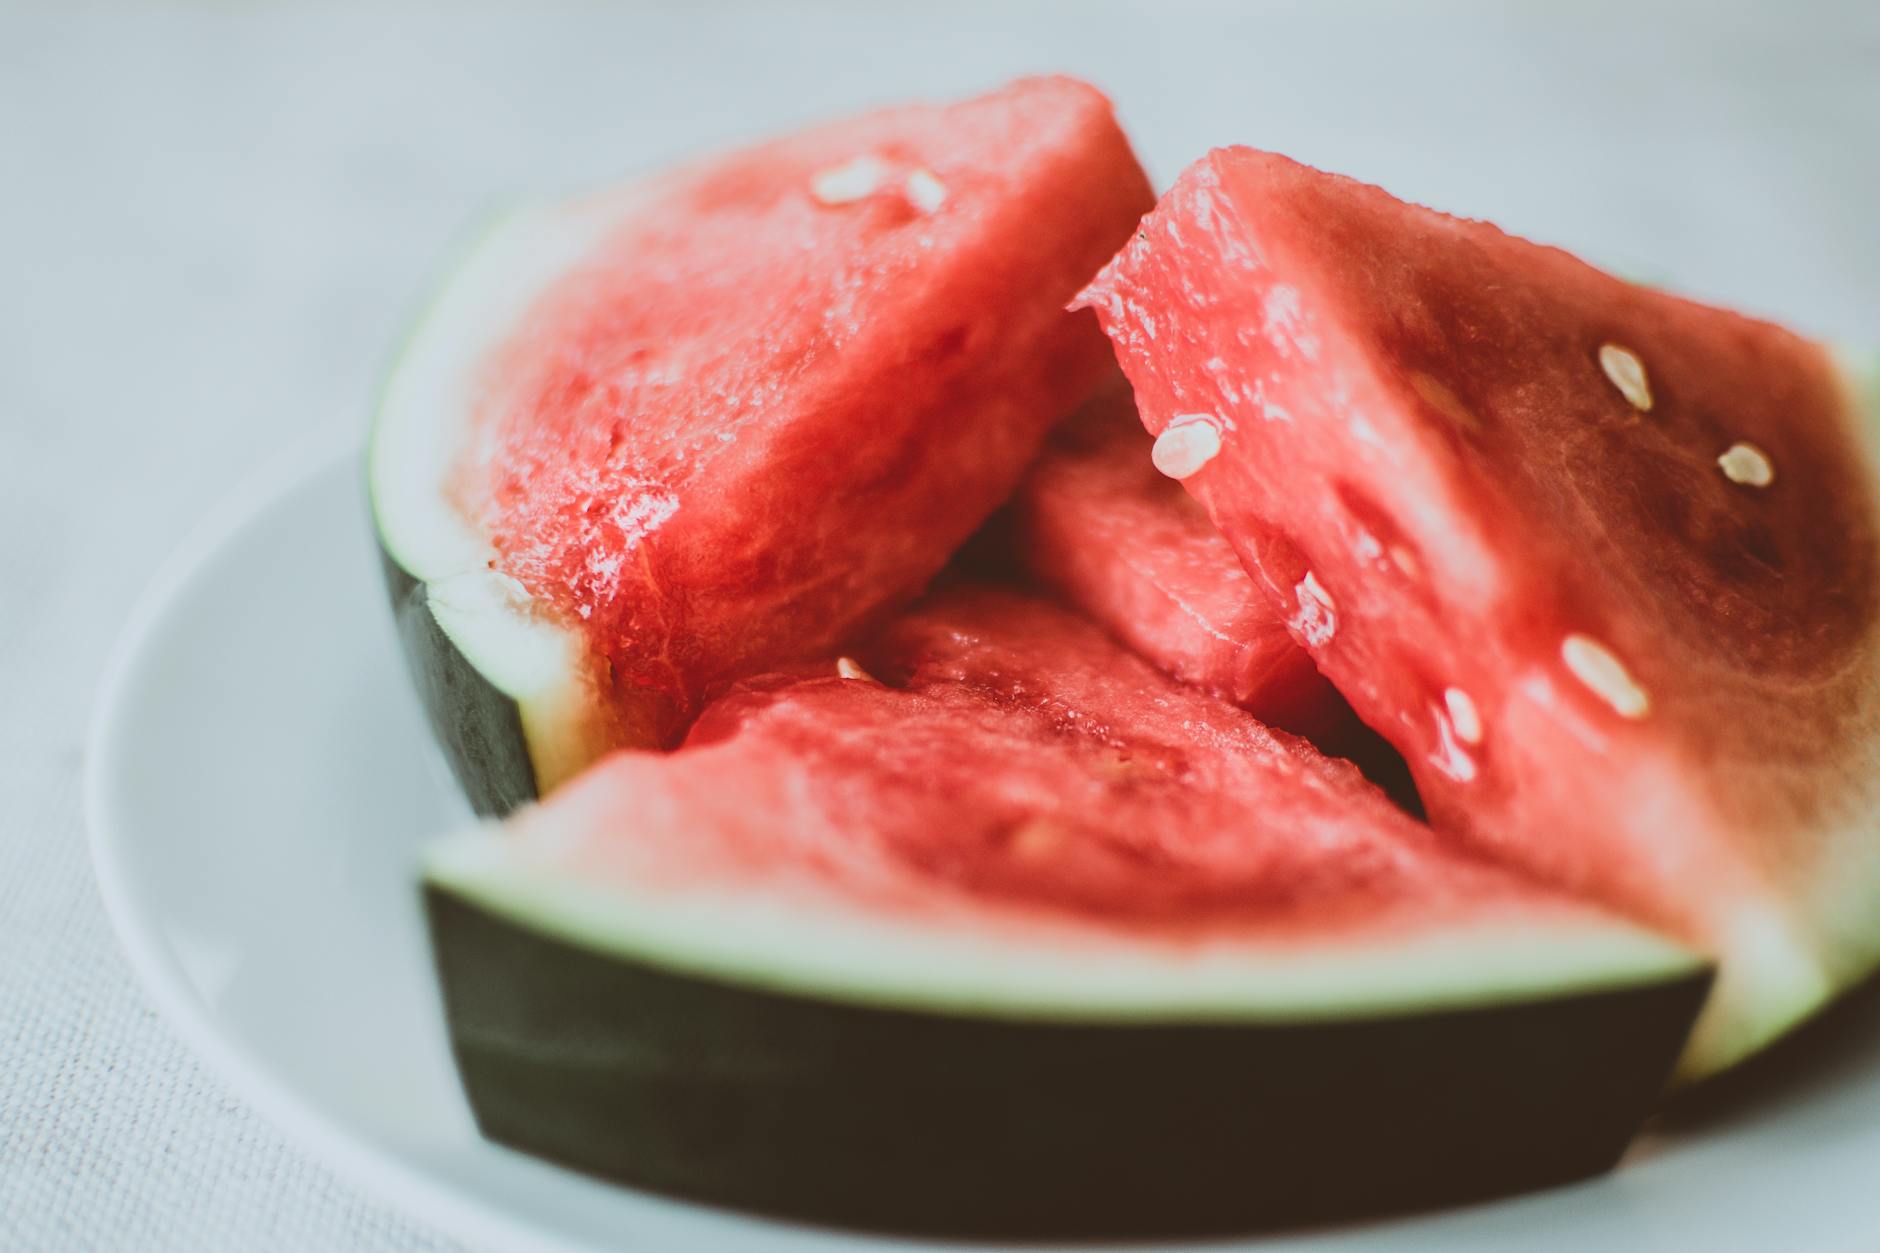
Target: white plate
259 780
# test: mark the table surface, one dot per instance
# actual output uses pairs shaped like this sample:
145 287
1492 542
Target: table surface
214 222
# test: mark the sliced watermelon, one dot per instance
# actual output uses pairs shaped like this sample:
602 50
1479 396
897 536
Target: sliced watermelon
1600 561
1097 523
992 928
654 439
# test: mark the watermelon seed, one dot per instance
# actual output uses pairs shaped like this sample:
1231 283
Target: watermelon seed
849 668
1463 715
1747 464
1627 373
925 192
1317 619
1186 444
1452 761
1593 664
848 182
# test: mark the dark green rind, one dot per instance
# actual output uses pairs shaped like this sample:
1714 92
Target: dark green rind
477 726
942 1124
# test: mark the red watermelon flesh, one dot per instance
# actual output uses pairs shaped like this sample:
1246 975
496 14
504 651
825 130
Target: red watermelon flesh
1600 561
793 380
996 763
1095 522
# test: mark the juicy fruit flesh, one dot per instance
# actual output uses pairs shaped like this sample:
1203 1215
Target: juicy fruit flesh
776 399
1095 521
997 754
1605 657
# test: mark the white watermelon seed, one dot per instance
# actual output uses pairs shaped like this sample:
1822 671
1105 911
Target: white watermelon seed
1747 464
848 182
1593 664
1450 757
1317 619
849 668
1463 715
925 192
1186 444
1627 373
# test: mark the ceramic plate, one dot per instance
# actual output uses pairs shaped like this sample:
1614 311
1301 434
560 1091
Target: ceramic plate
260 781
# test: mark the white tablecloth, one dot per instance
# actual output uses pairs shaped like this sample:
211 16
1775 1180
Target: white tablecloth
214 222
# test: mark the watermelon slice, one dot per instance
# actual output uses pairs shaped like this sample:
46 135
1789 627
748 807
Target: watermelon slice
1097 523
1600 561
992 928
658 438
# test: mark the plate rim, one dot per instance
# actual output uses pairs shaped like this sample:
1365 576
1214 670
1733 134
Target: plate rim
382 1175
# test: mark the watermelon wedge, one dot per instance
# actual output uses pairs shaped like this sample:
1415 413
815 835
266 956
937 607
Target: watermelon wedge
991 928
1124 544
654 439
1600 561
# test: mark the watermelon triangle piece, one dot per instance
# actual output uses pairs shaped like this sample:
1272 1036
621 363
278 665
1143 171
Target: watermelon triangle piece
1600 561
656 438
991 928
1095 522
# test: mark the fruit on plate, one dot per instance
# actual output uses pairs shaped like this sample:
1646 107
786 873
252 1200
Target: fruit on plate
1600 561
1097 523
992 928
652 440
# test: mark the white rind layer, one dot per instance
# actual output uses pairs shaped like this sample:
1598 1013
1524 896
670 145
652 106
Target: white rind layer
794 938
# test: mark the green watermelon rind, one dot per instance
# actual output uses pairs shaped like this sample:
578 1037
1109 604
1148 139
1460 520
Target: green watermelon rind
591 1029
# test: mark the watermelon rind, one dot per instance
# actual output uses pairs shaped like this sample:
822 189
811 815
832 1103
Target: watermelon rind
502 683
838 1066
751 933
